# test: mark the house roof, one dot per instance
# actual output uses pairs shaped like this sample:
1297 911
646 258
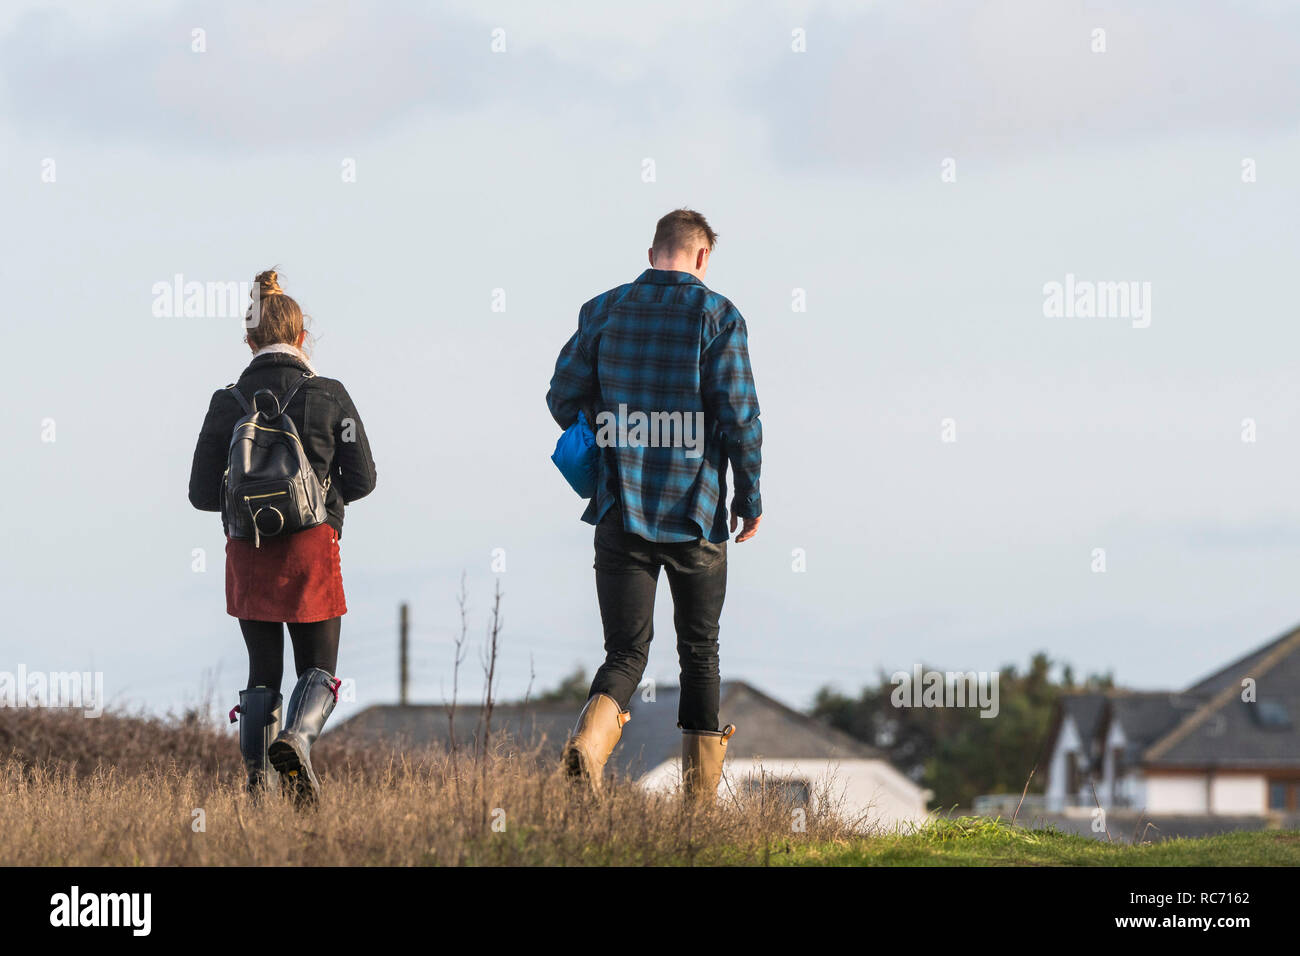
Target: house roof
1208 725
1086 709
1146 716
420 724
1227 731
766 728
1229 673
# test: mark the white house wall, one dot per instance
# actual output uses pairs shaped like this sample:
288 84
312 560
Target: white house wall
1175 793
1235 793
1110 787
1239 793
1067 742
870 790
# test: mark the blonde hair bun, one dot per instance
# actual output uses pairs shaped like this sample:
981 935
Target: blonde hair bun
272 316
268 283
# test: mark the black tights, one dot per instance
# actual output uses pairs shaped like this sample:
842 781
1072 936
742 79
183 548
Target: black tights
314 645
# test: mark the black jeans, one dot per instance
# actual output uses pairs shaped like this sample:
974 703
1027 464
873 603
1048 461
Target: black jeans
314 645
627 573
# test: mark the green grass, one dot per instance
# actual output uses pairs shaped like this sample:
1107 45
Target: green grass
971 841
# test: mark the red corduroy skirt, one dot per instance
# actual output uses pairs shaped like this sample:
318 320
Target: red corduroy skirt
296 578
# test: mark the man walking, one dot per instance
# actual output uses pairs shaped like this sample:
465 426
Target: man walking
663 363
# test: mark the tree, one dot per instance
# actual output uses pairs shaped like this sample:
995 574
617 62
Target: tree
572 689
953 750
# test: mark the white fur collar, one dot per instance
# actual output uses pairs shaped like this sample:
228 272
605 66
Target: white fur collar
286 349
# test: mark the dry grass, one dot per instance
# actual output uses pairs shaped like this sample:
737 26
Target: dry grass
121 790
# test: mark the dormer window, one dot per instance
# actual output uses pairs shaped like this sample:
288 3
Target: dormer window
1270 714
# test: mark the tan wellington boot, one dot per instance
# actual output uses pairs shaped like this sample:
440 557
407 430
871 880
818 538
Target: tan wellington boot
702 755
600 725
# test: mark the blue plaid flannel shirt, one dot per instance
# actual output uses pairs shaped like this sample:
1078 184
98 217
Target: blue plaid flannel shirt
665 343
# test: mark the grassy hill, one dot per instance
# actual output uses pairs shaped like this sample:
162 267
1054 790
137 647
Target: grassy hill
126 790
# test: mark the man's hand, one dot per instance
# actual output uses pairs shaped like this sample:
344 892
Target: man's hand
748 531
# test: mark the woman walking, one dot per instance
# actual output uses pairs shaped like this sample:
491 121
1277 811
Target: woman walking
279 455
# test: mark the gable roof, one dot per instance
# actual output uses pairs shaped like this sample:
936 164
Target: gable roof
423 724
1207 725
1086 709
1226 731
1145 717
1229 673
766 728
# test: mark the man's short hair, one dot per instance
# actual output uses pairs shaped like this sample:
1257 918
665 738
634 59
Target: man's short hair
682 230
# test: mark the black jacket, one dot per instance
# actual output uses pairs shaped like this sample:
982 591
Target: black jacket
324 415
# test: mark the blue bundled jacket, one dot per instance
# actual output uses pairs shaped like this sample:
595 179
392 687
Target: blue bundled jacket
576 457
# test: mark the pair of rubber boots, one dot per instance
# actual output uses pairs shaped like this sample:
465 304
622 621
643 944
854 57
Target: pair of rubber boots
600 725
273 755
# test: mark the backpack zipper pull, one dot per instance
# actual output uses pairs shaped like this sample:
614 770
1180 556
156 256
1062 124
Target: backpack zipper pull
257 534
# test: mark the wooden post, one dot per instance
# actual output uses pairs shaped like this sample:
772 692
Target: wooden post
404 654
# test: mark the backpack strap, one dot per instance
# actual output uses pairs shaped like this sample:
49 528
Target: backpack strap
239 397
281 401
287 397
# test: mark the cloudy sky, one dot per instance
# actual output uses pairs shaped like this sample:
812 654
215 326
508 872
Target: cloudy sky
920 170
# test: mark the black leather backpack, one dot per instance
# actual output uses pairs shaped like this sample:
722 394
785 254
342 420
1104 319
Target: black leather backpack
269 487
